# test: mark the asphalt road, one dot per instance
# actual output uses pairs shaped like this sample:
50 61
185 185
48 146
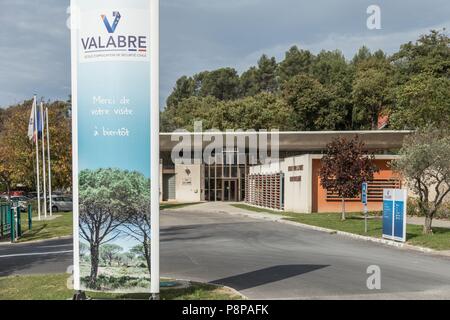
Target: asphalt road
53 256
264 259
278 261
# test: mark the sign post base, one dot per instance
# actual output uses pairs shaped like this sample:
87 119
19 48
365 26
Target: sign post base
155 297
79 295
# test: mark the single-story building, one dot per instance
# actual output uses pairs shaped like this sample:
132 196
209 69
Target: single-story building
290 183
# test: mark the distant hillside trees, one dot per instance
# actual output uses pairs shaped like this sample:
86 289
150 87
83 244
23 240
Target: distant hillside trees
321 91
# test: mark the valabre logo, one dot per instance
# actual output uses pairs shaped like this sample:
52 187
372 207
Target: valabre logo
120 35
109 27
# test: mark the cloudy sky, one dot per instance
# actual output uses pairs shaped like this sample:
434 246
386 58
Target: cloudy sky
198 35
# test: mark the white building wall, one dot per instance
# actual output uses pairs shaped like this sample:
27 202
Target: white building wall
298 194
266 168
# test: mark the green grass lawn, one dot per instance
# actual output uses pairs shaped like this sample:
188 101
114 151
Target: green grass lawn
59 227
440 240
256 209
167 206
53 287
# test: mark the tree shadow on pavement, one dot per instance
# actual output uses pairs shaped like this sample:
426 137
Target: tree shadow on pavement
268 275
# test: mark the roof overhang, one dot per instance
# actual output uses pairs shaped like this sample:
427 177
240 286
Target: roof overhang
299 141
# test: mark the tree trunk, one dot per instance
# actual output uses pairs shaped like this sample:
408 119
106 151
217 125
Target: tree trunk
343 209
427 228
94 266
147 254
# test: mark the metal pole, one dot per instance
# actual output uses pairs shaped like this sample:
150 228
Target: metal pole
1 220
49 165
12 226
154 80
38 183
365 217
43 160
19 223
30 217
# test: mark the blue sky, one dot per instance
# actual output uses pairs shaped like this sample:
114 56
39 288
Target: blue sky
198 35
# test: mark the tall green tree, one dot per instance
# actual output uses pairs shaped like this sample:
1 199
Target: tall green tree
183 115
263 111
429 54
332 70
372 91
296 62
330 67
362 55
310 101
222 84
267 74
262 78
184 88
425 164
248 84
422 101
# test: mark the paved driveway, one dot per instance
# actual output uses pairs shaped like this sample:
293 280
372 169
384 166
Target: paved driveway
265 259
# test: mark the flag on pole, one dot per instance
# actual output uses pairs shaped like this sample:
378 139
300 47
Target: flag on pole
35 125
40 121
31 124
32 136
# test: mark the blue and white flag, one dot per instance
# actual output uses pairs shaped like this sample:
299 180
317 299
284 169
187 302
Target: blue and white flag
40 121
31 124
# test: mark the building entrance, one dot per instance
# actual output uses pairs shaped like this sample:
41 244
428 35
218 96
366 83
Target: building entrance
230 190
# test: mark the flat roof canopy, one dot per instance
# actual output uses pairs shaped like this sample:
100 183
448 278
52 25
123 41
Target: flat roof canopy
300 141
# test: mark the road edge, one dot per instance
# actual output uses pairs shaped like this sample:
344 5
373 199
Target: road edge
36 241
283 220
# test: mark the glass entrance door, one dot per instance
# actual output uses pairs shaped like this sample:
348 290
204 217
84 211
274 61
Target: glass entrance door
230 190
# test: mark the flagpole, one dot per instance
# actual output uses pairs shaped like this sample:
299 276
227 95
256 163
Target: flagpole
43 158
49 165
36 140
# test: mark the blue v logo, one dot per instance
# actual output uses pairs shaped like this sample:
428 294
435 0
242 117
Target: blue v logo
109 27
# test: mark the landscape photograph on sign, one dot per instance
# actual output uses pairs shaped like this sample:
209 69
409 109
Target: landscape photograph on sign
114 230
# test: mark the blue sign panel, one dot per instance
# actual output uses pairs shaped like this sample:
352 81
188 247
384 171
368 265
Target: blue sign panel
387 217
394 214
398 219
365 188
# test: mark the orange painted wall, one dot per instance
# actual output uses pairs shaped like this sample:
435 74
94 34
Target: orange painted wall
319 194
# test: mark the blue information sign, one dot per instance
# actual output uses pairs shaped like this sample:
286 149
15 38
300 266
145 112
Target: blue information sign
365 188
388 211
394 214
